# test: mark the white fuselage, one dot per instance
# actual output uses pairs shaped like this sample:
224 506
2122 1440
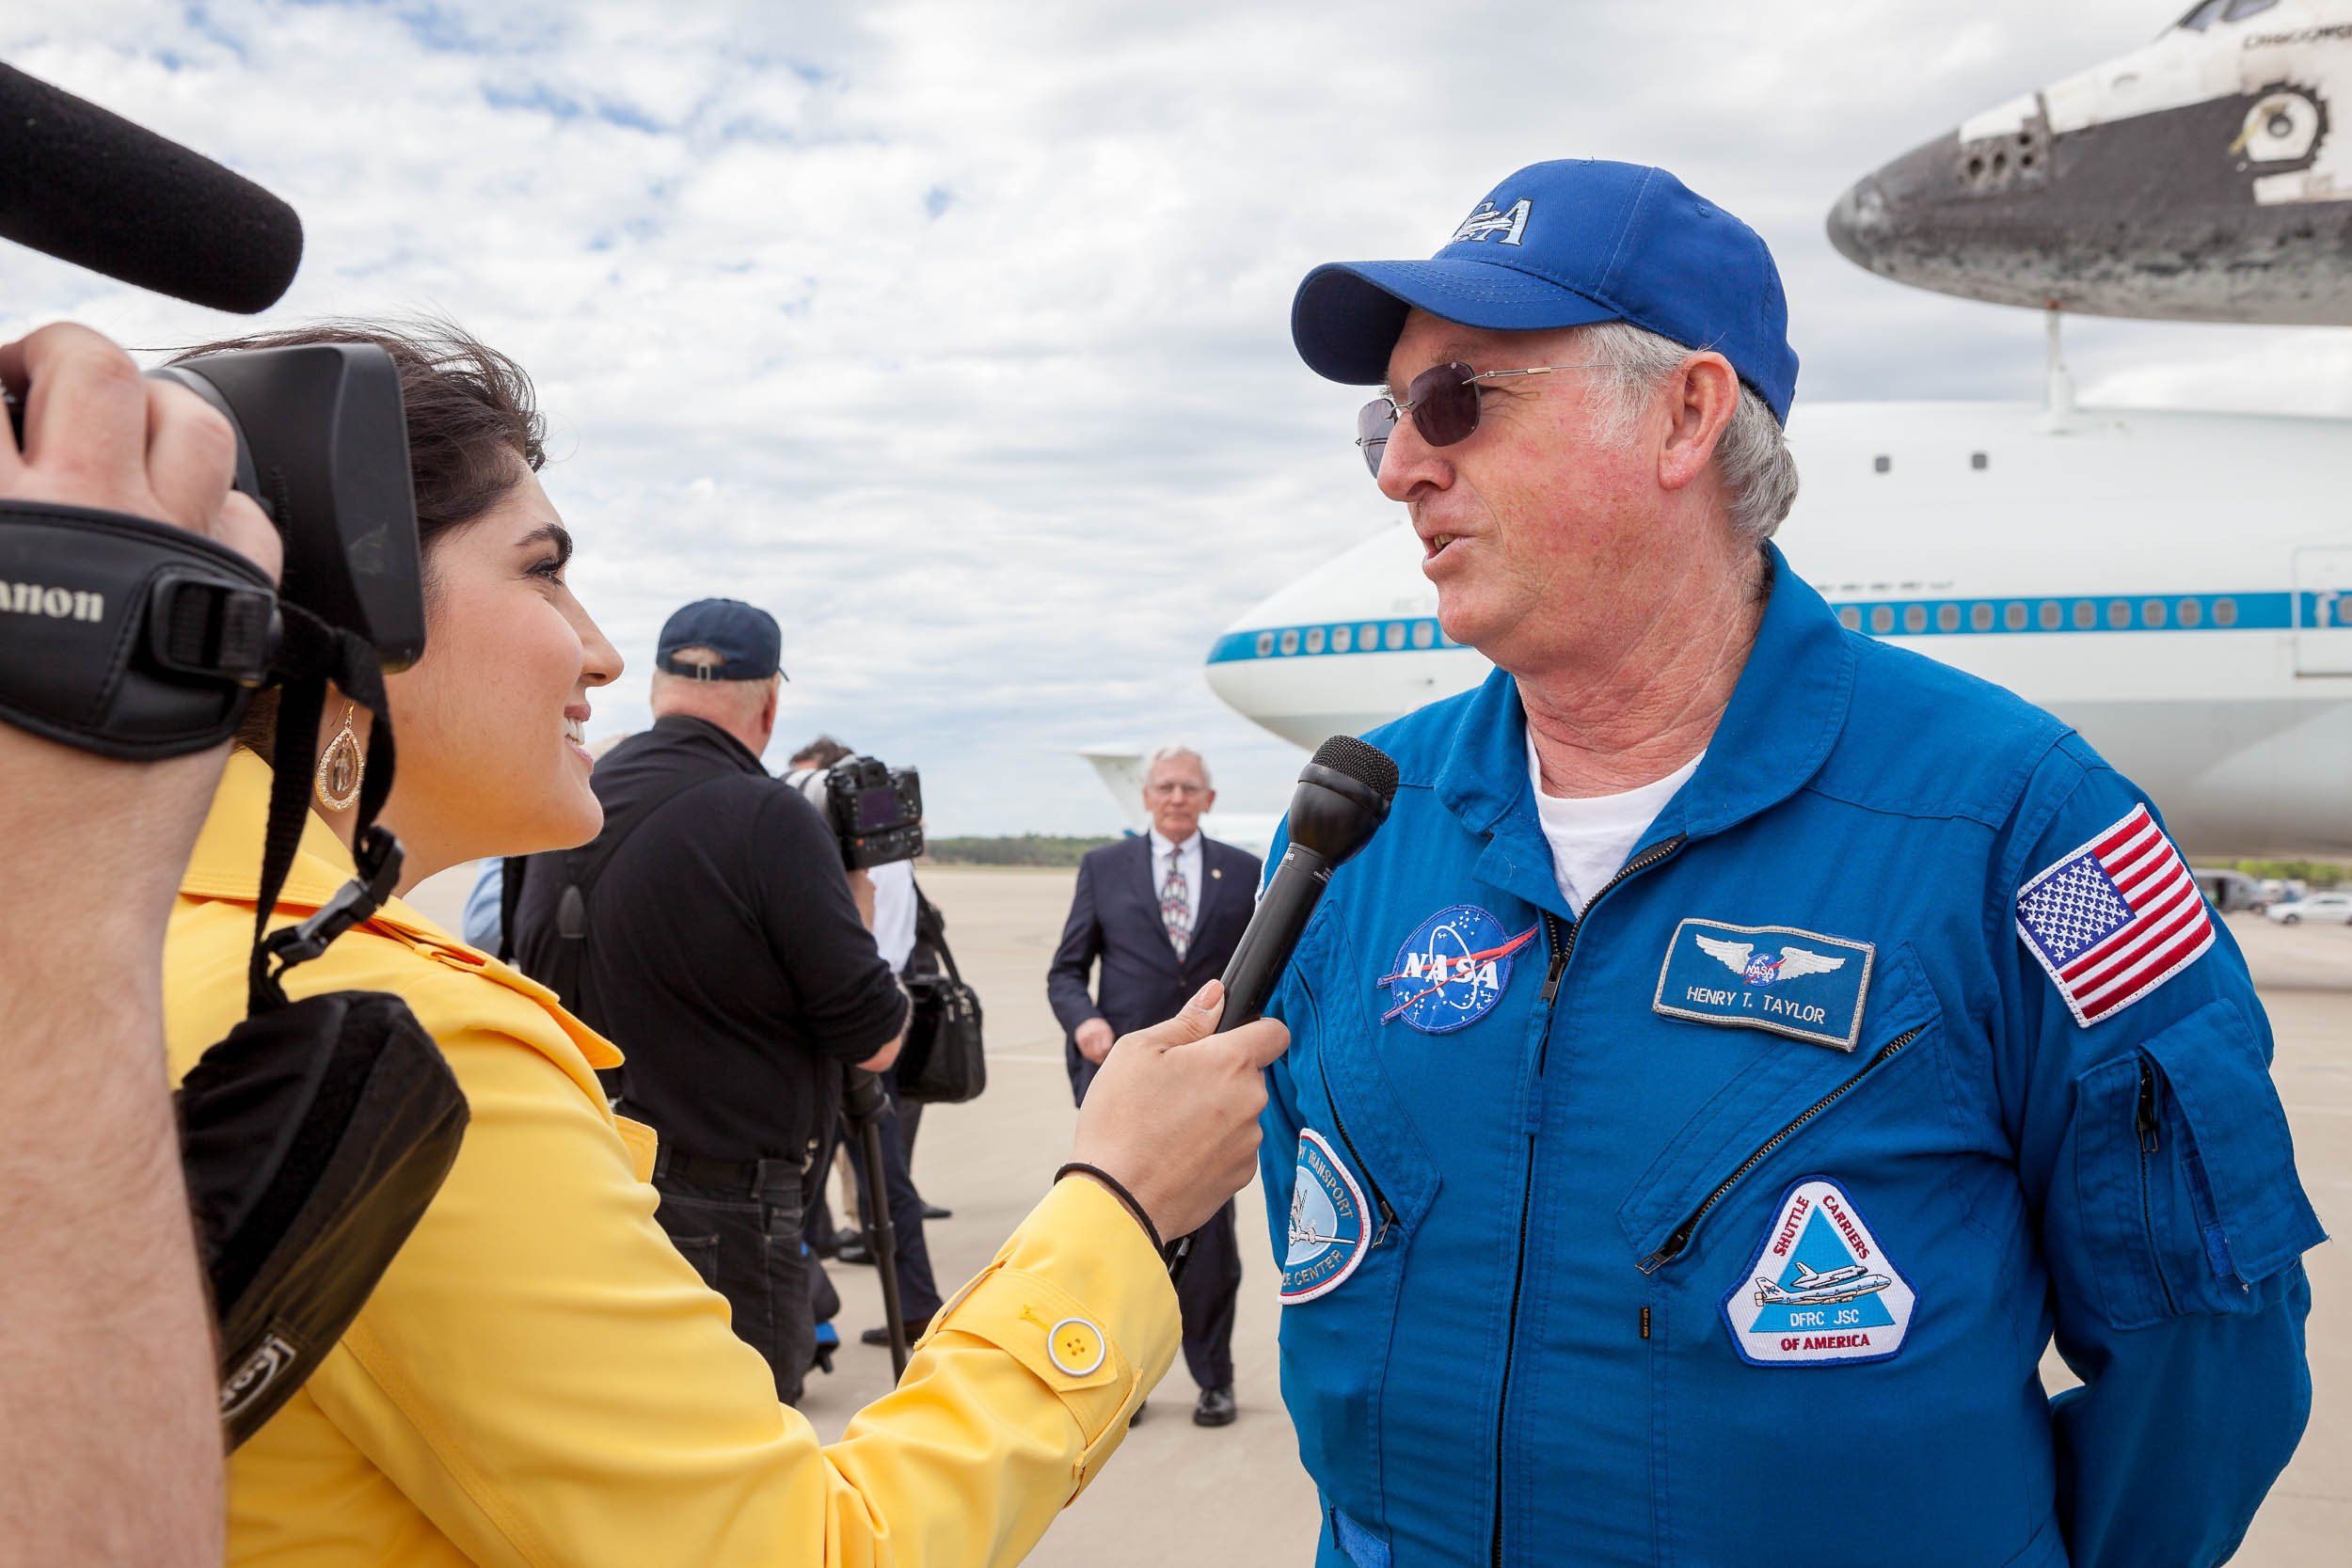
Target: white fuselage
2166 582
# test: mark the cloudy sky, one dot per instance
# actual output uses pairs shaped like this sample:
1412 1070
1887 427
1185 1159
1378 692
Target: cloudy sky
954 331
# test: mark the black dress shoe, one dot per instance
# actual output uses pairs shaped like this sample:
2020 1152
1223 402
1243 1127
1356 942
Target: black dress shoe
850 1248
937 1211
880 1332
1216 1408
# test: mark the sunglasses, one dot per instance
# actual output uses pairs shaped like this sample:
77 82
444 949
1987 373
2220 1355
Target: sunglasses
1443 401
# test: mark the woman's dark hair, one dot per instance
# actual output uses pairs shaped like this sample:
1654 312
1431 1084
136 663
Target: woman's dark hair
471 411
474 429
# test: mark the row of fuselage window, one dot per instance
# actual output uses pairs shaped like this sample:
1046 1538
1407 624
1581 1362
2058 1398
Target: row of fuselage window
2044 615
1881 620
1371 637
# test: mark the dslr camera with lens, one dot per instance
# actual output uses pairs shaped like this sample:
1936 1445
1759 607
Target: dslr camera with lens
876 812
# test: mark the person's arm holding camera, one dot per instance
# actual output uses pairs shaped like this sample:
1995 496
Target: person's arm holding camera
110 1373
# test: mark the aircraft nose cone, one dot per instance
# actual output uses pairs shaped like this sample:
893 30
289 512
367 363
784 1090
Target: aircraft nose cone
1857 223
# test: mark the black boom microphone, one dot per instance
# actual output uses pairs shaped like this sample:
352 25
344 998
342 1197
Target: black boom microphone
89 187
1341 799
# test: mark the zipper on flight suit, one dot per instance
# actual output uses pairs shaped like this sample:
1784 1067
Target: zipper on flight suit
1562 941
1339 1125
2144 1121
1675 1242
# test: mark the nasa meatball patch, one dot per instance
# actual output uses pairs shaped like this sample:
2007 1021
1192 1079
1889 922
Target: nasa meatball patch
1802 984
1822 1291
1452 969
1328 1234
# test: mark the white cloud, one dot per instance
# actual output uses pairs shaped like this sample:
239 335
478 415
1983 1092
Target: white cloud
955 331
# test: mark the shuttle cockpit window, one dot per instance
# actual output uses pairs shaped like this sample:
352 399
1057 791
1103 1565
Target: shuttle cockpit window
2206 12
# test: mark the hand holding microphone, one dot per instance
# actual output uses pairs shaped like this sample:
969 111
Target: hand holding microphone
1173 1114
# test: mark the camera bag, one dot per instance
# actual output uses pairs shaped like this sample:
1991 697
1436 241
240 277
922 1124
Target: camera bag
942 1062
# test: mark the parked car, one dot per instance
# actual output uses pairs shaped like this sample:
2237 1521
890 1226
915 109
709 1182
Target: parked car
2320 908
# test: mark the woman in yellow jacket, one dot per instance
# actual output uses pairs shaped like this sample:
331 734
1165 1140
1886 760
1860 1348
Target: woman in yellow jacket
540 1378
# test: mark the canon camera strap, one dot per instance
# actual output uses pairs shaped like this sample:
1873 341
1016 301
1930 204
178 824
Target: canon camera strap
311 653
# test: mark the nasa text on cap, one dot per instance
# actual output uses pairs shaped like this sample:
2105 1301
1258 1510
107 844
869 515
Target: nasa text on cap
1568 243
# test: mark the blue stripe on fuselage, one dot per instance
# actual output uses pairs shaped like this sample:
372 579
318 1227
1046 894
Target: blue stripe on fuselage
2004 617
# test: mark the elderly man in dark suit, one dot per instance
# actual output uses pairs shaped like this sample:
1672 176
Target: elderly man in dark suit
1163 912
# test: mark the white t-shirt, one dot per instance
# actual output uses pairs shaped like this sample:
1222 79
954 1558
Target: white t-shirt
893 911
1593 835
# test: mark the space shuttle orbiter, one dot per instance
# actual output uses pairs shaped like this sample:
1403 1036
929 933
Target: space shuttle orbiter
2202 177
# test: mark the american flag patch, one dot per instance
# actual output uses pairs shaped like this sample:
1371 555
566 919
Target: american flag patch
2115 919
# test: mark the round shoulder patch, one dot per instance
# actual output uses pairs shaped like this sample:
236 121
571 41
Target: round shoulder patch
1327 1235
1452 969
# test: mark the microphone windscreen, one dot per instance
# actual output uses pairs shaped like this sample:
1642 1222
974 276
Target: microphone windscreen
89 187
1367 764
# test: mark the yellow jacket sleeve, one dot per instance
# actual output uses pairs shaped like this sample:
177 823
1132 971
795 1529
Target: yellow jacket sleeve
547 1381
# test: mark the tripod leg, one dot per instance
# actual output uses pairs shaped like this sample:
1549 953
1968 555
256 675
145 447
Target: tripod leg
882 1239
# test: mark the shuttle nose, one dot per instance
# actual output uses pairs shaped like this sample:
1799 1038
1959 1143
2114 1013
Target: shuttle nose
1857 224
1976 212
1897 217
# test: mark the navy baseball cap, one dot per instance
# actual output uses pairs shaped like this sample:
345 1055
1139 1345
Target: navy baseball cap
1568 243
747 640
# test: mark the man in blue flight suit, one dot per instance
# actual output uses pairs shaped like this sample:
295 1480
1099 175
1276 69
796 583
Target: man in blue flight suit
1746 1044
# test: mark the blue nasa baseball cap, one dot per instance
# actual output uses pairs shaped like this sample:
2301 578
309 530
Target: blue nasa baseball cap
1568 243
747 640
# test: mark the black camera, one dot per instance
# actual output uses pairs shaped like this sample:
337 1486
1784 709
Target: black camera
876 812
133 639
321 445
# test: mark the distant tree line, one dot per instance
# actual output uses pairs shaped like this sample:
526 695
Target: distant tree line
1011 849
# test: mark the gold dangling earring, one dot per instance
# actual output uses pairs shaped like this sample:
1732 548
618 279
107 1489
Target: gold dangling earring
341 766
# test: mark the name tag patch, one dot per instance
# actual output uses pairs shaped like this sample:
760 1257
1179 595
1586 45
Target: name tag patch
1822 1291
1798 982
1328 1234
1452 969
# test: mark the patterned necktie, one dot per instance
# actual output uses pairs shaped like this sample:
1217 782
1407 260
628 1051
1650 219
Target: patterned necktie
1176 905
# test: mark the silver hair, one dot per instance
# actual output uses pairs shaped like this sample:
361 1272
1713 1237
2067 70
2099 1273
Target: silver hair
1753 456
1169 753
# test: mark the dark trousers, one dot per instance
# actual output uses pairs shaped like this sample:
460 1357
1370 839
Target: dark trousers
1210 1286
746 1245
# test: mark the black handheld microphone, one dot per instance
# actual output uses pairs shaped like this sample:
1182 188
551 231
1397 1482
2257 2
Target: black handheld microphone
89 187
1341 799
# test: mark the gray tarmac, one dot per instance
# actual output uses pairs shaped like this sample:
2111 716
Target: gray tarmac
1180 1494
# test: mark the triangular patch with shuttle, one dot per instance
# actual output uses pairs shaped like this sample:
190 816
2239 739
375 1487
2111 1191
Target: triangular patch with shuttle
1820 1290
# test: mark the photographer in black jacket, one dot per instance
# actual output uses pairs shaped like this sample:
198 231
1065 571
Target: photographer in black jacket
710 932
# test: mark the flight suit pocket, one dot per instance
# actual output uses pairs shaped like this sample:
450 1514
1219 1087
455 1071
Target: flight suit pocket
1745 1132
2184 1173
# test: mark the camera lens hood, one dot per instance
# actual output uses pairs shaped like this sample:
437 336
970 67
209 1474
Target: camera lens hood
125 637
